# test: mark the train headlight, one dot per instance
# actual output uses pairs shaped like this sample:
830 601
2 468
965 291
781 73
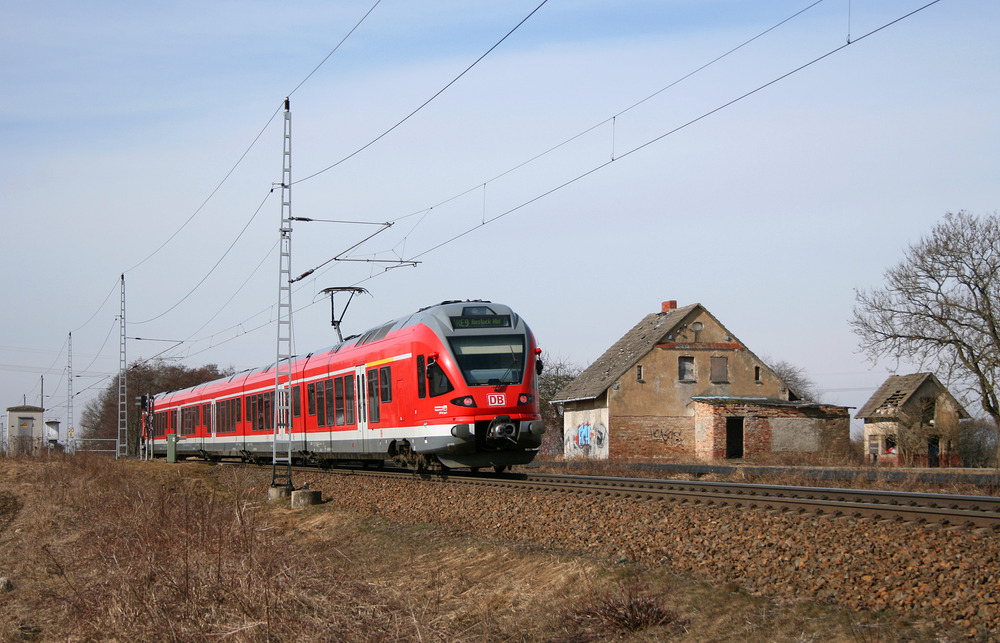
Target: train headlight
465 400
524 399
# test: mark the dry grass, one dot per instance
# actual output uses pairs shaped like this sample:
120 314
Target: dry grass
99 550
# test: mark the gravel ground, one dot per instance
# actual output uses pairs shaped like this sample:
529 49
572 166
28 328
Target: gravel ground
947 577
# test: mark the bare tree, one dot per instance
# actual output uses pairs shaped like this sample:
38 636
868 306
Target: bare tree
556 374
796 378
939 308
100 415
978 443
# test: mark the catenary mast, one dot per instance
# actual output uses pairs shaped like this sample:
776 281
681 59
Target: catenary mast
281 469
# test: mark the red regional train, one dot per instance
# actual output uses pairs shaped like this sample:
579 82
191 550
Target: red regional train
453 385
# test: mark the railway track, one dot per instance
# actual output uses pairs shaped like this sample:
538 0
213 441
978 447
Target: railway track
924 508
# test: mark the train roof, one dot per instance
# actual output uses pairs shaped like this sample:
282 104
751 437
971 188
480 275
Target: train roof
441 317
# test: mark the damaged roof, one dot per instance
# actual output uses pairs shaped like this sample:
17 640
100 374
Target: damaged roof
897 391
623 354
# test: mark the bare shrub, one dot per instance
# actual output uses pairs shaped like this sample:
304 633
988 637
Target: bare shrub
627 606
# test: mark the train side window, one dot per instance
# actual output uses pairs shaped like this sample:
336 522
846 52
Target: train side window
311 398
238 408
421 378
329 403
385 383
320 405
373 396
438 381
349 399
296 402
338 397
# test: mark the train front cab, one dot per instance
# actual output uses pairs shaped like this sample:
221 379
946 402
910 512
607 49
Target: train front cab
481 385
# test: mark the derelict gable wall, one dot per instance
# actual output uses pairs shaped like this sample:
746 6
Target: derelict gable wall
661 392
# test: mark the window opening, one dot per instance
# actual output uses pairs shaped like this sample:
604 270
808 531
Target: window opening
438 382
320 405
421 378
338 398
373 396
489 360
349 398
330 419
685 368
720 369
385 384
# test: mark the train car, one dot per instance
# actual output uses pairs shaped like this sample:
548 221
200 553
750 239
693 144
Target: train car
452 385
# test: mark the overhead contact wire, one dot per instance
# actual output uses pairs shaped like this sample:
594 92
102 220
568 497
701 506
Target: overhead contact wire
425 103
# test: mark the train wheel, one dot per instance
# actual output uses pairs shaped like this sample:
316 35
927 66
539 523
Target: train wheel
499 468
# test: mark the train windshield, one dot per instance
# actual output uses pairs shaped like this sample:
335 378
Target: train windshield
489 360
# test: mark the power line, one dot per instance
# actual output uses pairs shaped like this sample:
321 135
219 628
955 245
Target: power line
606 163
610 119
594 169
426 102
212 269
672 131
251 145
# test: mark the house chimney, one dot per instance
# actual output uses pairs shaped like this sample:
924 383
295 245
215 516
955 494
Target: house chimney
667 306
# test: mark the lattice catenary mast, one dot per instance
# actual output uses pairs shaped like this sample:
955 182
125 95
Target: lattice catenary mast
122 450
281 469
69 397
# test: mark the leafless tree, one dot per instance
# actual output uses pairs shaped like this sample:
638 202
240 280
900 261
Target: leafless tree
100 415
939 308
556 374
978 442
796 378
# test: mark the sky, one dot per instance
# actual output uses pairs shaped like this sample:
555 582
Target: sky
763 159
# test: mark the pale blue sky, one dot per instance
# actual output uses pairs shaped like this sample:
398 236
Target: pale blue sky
119 119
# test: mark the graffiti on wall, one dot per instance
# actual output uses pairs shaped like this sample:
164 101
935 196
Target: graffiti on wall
588 439
668 436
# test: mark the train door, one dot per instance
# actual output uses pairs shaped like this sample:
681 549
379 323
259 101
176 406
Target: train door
360 391
210 426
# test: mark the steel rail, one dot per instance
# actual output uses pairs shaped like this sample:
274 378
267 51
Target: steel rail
930 509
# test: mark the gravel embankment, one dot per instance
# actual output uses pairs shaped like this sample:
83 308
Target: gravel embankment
946 576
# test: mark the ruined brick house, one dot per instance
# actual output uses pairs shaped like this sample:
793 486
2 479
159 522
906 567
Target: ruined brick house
681 384
912 420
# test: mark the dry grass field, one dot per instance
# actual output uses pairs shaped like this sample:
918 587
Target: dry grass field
101 550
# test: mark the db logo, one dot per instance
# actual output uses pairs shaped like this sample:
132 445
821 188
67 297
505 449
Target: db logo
497 399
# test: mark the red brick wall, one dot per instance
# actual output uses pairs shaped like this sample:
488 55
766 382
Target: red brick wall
833 426
650 438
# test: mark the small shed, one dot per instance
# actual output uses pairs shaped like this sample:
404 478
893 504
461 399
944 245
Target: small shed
912 420
25 429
